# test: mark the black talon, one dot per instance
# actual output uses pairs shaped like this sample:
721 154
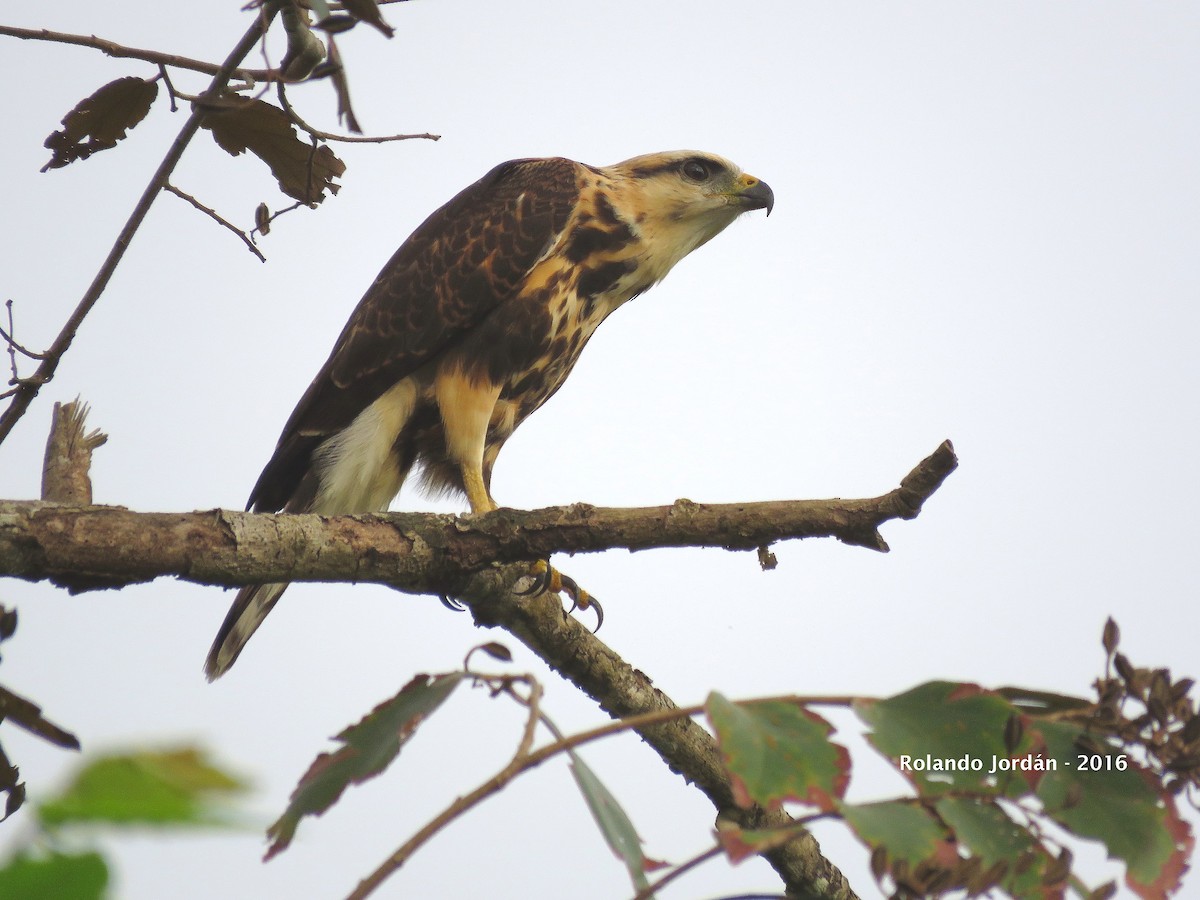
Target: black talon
450 603
539 581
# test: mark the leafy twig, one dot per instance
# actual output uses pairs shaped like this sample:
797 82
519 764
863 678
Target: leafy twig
26 391
515 766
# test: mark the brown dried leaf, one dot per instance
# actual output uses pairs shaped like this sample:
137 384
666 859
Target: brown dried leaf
262 219
99 121
304 172
879 861
1180 689
368 11
1191 731
1014 730
1112 636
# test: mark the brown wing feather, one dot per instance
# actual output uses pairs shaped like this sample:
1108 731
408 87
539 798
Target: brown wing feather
462 262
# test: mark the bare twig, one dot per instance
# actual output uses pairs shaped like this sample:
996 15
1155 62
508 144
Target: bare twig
345 138
28 390
13 347
111 48
171 92
524 760
682 869
215 216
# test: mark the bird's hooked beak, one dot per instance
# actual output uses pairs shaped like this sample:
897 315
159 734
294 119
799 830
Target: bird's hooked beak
755 194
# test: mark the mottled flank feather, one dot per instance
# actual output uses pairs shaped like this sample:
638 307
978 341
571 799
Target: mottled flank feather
473 324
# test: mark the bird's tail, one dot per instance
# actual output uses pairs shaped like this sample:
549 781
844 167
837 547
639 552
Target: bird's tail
247 613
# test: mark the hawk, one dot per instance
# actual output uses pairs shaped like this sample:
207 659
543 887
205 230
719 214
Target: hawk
472 325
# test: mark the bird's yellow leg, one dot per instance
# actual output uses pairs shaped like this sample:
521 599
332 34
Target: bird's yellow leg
467 406
477 493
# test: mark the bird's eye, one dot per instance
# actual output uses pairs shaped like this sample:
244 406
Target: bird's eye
695 170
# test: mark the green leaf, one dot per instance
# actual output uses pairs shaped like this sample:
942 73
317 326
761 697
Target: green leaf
908 831
1125 809
778 751
369 748
943 736
987 831
613 822
176 787
58 876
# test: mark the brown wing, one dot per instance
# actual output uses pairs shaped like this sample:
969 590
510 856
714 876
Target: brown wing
462 262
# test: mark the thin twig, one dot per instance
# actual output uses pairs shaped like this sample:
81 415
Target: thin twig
275 215
111 48
215 216
28 390
171 93
683 868
345 138
13 346
524 760
515 766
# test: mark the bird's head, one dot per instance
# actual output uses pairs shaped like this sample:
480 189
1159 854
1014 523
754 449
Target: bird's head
682 199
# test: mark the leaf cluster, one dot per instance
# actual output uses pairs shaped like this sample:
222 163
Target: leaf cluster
997 776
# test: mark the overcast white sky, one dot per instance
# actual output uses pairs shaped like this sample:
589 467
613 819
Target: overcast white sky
986 229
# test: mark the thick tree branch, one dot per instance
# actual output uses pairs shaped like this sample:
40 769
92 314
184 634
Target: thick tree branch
477 559
623 691
100 546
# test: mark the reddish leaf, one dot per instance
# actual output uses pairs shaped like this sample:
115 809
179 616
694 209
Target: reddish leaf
99 121
369 748
945 736
987 831
779 751
304 172
1107 796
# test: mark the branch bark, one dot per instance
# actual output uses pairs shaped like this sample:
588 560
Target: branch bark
477 559
623 691
84 548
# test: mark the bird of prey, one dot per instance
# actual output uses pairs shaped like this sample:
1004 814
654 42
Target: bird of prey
473 324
